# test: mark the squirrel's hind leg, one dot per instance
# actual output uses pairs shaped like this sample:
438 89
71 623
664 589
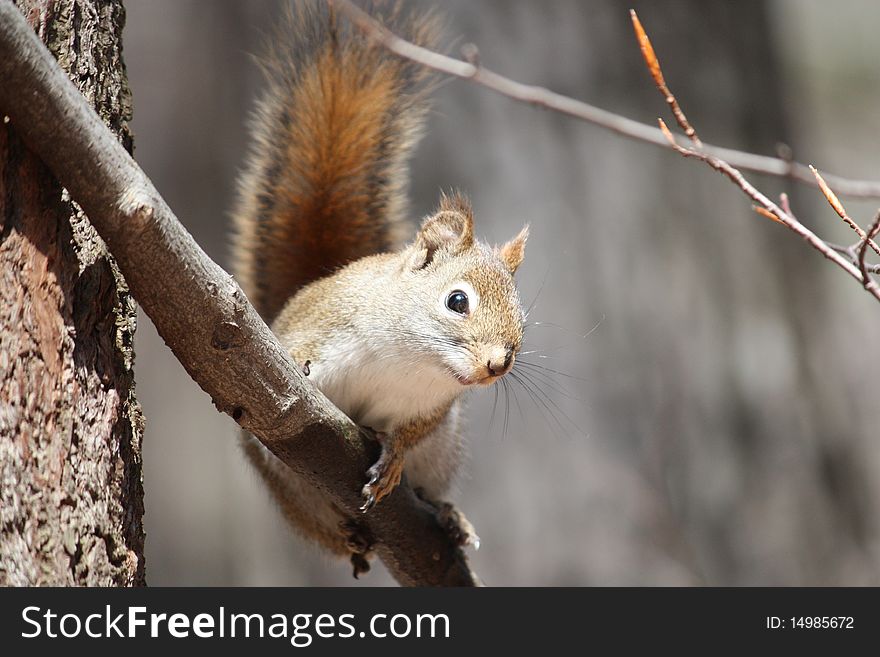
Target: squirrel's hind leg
309 511
453 521
360 542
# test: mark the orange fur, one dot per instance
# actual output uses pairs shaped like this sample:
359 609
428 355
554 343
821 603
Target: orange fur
325 182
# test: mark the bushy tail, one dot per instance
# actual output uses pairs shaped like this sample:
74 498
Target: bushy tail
325 182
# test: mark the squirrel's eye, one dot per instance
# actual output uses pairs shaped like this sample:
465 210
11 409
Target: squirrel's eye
457 302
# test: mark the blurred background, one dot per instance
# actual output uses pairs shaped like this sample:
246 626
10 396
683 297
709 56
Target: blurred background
710 416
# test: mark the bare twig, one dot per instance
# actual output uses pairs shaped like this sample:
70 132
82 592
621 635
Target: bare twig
201 312
848 251
541 97
851 253
657 73
784 203
837 206
855 267
763 202
869 283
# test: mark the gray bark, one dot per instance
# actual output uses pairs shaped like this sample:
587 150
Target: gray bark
71 494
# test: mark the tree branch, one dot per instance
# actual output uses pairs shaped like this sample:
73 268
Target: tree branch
770 209
837 206
203 315
541 97
726 161
657 74
869 283
856 268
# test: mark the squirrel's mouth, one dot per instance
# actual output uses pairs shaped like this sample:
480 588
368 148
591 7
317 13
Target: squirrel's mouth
475 381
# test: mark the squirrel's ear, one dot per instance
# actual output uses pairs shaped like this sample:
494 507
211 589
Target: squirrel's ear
451 229
513 252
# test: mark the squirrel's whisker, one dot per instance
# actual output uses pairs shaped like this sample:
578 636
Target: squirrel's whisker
551 370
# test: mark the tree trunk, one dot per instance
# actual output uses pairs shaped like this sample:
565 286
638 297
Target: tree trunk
71 494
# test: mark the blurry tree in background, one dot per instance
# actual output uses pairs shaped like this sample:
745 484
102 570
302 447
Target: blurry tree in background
71 498
718 428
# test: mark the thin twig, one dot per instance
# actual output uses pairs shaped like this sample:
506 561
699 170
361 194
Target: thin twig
837 206
788 220
657 73
767 209
541 97
869 283
784 203
848 251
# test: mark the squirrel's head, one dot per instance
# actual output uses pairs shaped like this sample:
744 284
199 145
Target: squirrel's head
475 307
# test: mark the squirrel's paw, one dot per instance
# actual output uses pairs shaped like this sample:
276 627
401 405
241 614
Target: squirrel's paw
457 526
384 475
360 542
453 521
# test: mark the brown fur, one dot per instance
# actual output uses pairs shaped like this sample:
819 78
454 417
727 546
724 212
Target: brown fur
289 493
325 182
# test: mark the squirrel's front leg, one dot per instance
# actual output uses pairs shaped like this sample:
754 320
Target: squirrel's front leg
384 475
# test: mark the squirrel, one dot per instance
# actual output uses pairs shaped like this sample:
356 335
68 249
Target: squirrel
393 333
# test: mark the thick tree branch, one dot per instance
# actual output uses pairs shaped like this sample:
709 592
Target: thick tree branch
202 313
541 97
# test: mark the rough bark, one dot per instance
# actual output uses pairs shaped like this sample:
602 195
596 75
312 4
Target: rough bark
71 494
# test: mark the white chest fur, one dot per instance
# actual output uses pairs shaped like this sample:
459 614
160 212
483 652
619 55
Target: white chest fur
380 387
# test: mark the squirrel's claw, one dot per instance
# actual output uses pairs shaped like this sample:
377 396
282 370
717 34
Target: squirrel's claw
369 500
457 526
384 475
453 522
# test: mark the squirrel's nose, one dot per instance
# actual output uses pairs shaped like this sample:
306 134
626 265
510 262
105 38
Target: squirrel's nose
500 362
